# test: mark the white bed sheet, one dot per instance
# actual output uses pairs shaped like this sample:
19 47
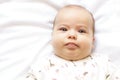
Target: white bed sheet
26 25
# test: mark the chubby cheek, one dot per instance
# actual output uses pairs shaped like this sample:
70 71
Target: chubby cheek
56 43
57 39
87 45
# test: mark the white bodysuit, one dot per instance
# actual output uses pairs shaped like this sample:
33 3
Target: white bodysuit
94 67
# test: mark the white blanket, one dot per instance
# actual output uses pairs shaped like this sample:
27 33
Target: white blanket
26 25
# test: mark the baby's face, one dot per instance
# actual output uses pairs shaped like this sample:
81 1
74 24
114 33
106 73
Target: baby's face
72 37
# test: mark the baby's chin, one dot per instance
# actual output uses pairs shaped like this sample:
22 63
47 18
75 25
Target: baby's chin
72 58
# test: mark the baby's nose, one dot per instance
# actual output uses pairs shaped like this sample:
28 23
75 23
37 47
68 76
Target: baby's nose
72 35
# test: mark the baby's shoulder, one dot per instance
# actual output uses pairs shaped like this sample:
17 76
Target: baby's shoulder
100 58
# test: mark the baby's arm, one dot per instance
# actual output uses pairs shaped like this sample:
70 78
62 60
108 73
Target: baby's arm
32 75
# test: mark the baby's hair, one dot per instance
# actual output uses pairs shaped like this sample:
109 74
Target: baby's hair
80 7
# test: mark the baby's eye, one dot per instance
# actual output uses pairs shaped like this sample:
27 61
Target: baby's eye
63 29
82 31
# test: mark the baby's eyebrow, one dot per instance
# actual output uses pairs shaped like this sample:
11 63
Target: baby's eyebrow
64 25
82 26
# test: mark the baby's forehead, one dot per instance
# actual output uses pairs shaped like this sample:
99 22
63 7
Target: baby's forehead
74 11
75 8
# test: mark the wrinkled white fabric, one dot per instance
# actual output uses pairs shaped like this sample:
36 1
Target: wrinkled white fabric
94 67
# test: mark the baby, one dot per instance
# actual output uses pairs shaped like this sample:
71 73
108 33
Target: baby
73 44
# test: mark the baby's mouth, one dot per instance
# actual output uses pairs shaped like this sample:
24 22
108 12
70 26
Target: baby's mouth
71 45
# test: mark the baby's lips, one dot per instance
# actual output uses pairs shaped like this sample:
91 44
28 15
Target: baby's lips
71 45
